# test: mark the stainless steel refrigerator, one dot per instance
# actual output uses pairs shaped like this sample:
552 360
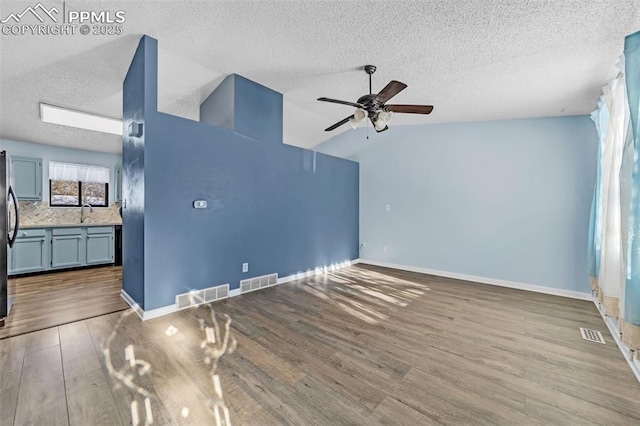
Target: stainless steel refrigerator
9 223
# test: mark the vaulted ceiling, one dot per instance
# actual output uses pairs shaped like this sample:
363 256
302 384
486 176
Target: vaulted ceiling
473 60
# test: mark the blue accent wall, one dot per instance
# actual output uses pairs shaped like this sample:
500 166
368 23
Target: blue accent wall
246 107
139 99
218 108
506 200
280 208
257 111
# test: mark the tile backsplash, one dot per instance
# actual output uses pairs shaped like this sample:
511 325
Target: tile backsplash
38 213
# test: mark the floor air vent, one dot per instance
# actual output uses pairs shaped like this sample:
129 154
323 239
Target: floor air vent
592 335
256 283
198 297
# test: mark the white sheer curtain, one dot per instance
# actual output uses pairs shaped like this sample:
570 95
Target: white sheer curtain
611 276
78 172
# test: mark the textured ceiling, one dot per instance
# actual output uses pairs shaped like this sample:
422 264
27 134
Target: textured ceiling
473 60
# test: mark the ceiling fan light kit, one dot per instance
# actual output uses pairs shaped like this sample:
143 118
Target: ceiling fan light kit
374 106
380 124
357 117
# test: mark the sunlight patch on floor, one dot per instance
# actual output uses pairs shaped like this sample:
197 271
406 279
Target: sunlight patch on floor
217 340
369 301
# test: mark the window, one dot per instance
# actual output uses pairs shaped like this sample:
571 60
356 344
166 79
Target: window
73 185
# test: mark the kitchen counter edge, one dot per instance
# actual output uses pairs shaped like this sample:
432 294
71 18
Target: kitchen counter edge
67 225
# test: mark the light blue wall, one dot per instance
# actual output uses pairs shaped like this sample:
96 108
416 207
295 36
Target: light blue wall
280 208
53 153
506 200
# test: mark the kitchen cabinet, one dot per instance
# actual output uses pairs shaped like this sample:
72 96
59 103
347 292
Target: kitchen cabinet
118 185
29 253
27 177
100 245
67 247
54 248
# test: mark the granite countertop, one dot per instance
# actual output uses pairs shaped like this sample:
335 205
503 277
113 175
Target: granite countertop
66 225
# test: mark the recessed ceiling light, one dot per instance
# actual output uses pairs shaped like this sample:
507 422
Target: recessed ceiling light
82 120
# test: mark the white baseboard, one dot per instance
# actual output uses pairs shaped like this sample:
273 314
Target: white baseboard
612 325
169 309
483 280
317 271
146 315
134 305
158 312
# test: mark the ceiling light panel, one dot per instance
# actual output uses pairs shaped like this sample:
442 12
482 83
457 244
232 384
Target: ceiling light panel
82 120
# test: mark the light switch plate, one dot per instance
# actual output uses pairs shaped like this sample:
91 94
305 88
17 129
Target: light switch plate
245 267
200 204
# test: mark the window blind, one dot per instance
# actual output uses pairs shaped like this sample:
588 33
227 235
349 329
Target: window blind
78 172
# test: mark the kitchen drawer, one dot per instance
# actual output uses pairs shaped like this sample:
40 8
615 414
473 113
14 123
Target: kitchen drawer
32 233
66 231
99 229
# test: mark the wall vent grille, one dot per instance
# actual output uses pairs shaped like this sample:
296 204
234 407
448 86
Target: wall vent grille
256 283
592 335
183 301
198 297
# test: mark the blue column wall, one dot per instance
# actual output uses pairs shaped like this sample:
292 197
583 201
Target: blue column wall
257 111
246 107
217 109
280 208
139 97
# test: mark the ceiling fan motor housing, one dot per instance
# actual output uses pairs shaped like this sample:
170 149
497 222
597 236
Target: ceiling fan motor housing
370 105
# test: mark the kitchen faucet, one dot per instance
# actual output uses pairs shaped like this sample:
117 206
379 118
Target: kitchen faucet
82 211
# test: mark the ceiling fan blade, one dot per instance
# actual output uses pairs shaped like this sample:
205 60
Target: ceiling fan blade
336 101
338 124
390 90
410 109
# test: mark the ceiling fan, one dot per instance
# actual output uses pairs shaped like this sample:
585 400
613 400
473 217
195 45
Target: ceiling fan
374 106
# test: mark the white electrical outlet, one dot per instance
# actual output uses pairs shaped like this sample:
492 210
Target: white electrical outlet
388 207
384 249
245 267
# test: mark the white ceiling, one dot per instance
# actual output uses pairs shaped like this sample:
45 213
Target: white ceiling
473 60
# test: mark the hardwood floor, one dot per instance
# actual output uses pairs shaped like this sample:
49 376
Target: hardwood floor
363 345
48 300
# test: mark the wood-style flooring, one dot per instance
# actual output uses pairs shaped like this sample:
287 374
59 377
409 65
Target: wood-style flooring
362 345
48 300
